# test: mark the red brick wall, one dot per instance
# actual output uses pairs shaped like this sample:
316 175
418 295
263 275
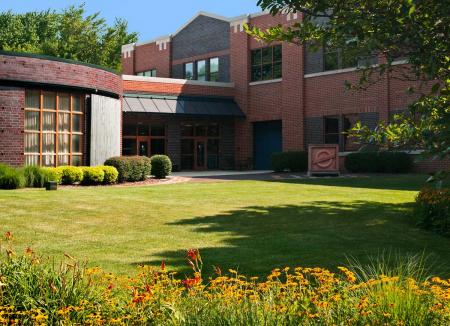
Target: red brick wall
22 68
175 89
12 101
149 56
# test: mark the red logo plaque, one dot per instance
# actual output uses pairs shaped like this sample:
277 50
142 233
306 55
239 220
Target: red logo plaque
323 159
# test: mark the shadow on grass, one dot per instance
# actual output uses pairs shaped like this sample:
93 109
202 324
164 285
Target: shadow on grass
258 239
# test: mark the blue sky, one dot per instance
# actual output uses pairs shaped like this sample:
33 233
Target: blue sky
150 18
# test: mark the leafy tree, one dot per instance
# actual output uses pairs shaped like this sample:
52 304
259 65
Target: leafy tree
415 30
70 34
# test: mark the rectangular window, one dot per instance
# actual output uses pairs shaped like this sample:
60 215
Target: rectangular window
148 73
214 69
189 70
266 63
53 128
201 70
331 130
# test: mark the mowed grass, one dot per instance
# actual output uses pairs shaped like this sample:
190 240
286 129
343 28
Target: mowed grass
252 226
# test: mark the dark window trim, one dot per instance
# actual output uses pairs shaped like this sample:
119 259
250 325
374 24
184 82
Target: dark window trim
262 64
207 68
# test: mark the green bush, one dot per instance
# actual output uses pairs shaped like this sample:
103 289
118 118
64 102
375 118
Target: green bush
111 174
71 174
52 174
11 178
161 166
378 162
131 168
93 175
432 209
35 177
290 161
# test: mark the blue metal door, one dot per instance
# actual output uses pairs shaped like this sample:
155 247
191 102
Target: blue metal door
267 139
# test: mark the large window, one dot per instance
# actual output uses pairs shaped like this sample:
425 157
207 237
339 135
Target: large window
331 130
200 146
203 70
143 139
337 58
53 128
267 63
148 73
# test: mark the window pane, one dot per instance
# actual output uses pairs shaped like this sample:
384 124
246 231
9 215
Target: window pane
63 160
349 60
64 102
277 70
76 144
187 130
129 147
49 121
158 146
187 147
32 99
256 57
213 65
48 160
277 53
331 61
76 160
256 73
129 130
49 100
143 130
267 72
140 74
64 122
189 70
31 120
267 55
213 130
201 70
153 73
76 104
158 130
76 123
331 125
31 159
48 143
200 130
32 143
63 143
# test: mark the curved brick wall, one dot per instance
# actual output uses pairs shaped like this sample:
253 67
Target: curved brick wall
53 71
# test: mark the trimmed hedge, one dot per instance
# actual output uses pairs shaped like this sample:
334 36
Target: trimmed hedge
11 178
380 162
35 177
71 174
131 168
432 209
53 174
290 161
111 174
161 166
93 175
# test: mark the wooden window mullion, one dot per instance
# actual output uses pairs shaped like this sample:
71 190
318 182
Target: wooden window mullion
41 129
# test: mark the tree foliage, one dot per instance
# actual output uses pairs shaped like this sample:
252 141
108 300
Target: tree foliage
70 34
415 30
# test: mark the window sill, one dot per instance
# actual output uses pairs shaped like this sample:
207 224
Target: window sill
262 82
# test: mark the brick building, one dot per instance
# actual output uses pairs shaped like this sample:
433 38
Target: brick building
208 95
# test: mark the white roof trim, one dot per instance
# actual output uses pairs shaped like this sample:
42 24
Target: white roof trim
201 13
165 38
176 81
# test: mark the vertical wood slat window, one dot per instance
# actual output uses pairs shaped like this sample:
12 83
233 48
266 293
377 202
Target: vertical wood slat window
53 128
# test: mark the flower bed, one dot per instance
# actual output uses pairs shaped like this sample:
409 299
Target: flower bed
34 291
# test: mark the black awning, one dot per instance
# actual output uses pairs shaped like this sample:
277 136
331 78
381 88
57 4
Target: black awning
204 106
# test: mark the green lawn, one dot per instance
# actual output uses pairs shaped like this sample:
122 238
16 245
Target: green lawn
250 225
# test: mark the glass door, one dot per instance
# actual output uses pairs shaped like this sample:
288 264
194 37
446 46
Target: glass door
143 148
200 153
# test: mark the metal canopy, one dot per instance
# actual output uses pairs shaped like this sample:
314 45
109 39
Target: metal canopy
204 106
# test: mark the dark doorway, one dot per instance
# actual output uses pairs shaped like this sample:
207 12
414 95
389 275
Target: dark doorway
267 139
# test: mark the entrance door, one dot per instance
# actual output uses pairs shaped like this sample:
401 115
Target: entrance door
267 139
200 155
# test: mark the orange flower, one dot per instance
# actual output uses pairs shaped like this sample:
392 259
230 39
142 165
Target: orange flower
192 254
163 265
8 235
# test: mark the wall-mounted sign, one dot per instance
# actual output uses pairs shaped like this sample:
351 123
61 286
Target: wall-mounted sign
323 159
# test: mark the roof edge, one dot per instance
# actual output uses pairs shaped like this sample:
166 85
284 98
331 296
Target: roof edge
176 81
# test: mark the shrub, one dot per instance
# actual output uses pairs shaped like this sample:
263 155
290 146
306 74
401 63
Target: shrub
432 209
291 161
52 174
71 174
131 168
35 177
111 174
93 175
381 162
161 166
11 178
